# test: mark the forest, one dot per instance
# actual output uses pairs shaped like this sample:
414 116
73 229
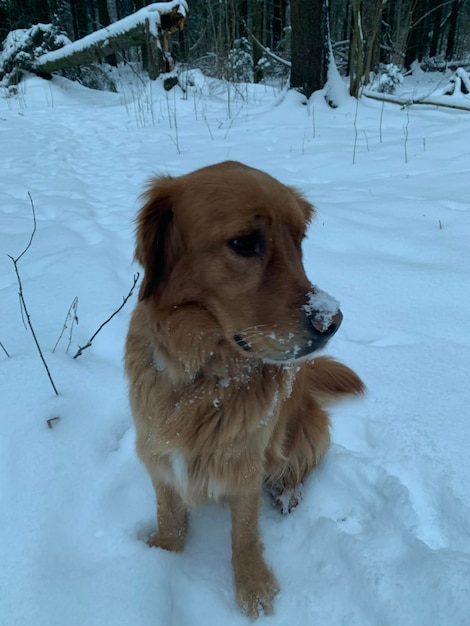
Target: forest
253 40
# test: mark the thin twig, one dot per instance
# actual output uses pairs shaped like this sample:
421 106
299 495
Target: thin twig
232 121
405 131
90 341
267 51
381 119
355 132
71 315
423 17
32 234
367 140
4 349
22 300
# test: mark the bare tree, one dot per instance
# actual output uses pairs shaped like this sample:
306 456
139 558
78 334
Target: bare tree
309 45
452 29
356 54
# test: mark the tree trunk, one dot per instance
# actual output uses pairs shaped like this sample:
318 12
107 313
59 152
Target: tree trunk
156 59
399 17
452 30
436 28
80 18
309 45
256 29
103 16
417 40
372 23
356 58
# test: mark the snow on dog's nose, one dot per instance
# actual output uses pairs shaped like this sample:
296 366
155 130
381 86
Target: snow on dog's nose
327 330
323 313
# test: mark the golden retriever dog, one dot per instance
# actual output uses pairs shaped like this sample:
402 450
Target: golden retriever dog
224 390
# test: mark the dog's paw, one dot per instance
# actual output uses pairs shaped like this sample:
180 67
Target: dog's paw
288 499
166 542
255 596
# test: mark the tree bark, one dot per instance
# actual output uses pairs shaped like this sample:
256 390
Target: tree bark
436 27
452 30
356 56
257 23
309 45
372 23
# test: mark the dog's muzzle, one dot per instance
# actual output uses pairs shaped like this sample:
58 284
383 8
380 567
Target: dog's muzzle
318 330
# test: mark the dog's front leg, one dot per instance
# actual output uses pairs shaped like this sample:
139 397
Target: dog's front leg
255 582
172 518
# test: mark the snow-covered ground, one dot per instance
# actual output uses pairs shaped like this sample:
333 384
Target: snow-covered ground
382 537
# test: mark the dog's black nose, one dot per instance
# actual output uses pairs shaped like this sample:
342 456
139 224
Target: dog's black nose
326 328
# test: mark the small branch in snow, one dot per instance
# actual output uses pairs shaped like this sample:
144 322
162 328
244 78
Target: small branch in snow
81 349
4 349
405 132
24 308
404 102
232 119
367 140
34 230
51 420
71 315
355 132
381 120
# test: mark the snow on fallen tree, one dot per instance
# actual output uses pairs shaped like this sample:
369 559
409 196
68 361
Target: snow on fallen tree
406 102
151 25
23 46
459 83
384 87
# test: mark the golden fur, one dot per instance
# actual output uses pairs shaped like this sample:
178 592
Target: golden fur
223 399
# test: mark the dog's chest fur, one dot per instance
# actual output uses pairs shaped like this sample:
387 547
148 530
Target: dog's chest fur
208 437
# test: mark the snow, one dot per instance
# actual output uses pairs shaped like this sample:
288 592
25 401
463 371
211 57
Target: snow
16 39
429 87
382 536
323 305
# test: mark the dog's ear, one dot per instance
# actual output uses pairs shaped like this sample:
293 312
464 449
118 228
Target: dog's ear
154 224
307 208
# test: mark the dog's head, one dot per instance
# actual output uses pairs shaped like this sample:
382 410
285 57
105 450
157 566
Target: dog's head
227 239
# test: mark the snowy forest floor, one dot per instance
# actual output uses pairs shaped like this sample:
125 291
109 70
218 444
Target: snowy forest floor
382 537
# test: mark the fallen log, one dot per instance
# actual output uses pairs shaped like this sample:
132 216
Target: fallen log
405 102
151 25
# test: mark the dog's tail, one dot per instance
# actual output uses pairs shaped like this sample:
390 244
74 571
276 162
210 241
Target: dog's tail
330 381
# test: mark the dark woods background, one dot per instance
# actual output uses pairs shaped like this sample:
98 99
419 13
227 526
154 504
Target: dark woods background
220 36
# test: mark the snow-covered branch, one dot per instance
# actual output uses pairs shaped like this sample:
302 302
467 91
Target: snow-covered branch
406 102
155 20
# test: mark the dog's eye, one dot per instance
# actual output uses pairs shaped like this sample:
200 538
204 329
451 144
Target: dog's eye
248 245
